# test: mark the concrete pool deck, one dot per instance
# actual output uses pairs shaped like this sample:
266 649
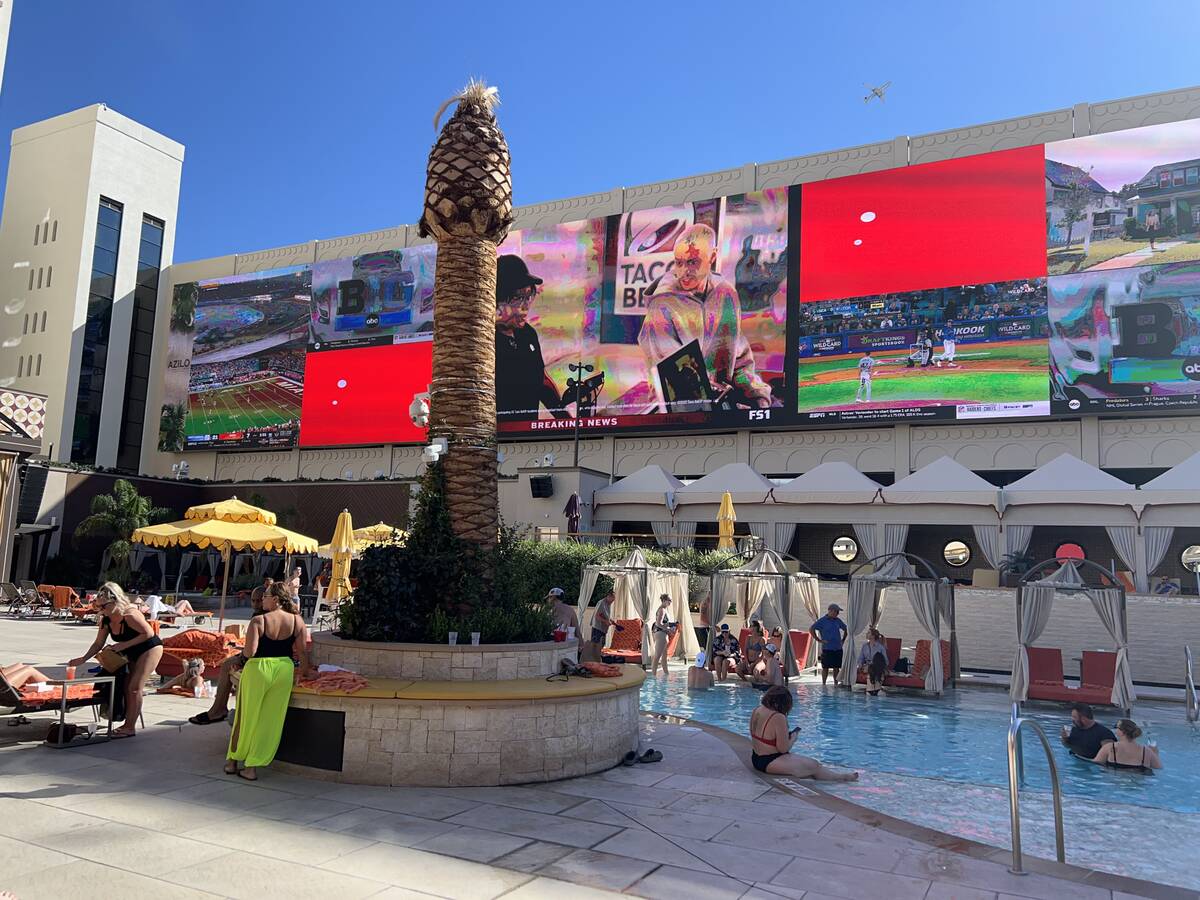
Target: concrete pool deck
155 817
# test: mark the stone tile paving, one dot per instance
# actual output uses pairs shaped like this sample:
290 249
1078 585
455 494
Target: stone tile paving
155 817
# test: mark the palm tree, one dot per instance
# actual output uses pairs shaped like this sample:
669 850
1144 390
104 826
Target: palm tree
172 430
183 307
468 211
116 515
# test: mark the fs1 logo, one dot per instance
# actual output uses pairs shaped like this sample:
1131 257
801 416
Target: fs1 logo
760 415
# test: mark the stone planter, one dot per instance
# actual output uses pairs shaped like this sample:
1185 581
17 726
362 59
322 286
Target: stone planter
442 662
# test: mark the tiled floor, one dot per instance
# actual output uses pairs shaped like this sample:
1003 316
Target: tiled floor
154 817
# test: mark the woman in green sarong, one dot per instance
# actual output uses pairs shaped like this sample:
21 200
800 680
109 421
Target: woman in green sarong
266 684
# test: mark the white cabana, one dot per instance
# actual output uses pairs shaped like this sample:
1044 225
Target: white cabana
932 602
647 495
1035 598
742 483
832 492
637 585
1068 491
950 493
1172 501
784 599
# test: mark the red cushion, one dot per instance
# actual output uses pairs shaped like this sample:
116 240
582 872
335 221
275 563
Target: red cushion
630 637
30 696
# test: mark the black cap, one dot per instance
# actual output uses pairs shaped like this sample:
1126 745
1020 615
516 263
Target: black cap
512 275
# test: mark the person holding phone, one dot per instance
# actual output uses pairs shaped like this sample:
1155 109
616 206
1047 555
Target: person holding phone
771 742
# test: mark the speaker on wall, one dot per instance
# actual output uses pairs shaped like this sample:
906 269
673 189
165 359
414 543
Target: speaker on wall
541 486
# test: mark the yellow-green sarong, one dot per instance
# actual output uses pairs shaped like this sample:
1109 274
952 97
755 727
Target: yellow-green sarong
262 702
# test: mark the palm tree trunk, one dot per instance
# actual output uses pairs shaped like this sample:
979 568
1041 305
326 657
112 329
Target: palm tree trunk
463 393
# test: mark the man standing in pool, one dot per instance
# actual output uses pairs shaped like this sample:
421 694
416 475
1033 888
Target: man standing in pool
830 633
1086 736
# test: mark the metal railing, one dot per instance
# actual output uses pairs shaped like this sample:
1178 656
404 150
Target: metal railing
1016 777
1189 688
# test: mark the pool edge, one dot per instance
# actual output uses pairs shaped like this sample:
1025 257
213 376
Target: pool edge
810 792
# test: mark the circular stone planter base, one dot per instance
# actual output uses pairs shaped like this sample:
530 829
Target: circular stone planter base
436 734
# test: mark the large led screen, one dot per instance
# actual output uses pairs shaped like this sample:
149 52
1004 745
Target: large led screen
241 340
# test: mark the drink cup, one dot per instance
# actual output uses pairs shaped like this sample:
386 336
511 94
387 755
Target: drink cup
453 638
570 632
474 638
70 673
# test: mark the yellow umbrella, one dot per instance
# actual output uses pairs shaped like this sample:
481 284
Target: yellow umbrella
342 550
379 533
248 528
725 519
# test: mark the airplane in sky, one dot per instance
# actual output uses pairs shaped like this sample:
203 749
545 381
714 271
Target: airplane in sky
876 92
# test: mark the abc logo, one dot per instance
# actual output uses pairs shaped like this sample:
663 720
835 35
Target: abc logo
1191 368
1074 404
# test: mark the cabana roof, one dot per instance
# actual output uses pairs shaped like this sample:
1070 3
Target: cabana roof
650 484
1068 480
944 480
1178 485
743 484
830 482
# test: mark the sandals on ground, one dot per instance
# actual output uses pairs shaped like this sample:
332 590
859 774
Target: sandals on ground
205 719
650 756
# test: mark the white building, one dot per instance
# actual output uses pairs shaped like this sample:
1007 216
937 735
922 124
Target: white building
88 224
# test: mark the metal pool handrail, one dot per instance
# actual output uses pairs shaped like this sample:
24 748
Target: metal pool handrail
1189 688
1016 775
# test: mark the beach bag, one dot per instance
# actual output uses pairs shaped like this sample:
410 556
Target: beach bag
111 661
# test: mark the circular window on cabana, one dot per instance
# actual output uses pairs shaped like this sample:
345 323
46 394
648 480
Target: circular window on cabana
1069 550
956 553
845 549
1190 558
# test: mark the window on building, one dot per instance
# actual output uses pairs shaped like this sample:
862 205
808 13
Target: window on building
94 359
845 549
1196 215
956 553
546 533
1193 174
1164 179
1177 177
141 343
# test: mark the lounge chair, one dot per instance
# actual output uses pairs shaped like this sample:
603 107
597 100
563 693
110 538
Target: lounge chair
19 702
10 594
33 602
1046 680
626 646
62 599
1097 675
920 667
893 655
212 647
801 646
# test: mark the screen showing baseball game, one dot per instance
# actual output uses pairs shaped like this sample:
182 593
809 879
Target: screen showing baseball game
1056 279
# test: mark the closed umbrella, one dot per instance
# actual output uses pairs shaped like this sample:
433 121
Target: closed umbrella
571 511
342 549
725 519
227 525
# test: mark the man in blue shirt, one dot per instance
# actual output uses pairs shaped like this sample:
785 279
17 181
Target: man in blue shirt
830 632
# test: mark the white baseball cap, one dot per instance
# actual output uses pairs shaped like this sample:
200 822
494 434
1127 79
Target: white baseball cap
556 592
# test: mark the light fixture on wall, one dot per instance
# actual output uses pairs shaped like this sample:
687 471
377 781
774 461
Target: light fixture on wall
180 470
418 410
435 451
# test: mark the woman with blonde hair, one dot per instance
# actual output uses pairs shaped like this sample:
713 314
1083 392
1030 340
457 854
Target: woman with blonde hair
133 639
1127 753
266 683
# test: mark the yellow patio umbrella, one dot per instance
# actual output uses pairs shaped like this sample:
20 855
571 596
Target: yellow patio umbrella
725 519
379 533
246 528
342 549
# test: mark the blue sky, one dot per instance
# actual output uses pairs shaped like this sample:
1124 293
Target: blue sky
307 119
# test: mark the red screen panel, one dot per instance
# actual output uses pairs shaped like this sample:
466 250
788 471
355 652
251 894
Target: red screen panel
361 395
961 221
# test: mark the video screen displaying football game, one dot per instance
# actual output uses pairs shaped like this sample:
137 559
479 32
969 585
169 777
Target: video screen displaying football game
246 372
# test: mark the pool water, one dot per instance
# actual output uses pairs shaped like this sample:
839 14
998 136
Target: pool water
943 763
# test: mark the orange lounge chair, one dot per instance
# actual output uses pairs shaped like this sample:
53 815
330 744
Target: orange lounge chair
29 700
801 645
63 599
920 667
210 646
893 654
1046 680
1097 675
626 646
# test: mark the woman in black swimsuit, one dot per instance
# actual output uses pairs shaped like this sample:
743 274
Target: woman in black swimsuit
1127 753
132 637
771 741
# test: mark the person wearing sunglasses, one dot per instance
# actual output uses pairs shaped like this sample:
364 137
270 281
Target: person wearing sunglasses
522 384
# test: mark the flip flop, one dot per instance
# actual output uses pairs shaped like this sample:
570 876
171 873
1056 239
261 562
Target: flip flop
229 771
204 719
121 735
650 756
629 759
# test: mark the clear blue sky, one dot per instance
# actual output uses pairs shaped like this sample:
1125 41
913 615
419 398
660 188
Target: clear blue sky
306 119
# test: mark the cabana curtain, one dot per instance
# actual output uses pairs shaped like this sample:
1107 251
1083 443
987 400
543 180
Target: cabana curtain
860 606
866 539
1158 541
784 533
987 537
1124 541
1036 600
924 598
1107 603
662 533
1017 538
686 532
762 532
894 537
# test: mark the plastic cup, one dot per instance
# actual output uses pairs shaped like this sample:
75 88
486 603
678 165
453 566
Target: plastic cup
570 632
474 638
70 673
453 637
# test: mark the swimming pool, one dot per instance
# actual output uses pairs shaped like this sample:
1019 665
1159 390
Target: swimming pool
943 763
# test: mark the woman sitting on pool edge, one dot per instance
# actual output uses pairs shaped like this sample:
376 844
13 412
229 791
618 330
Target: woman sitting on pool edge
1127 753
771 741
